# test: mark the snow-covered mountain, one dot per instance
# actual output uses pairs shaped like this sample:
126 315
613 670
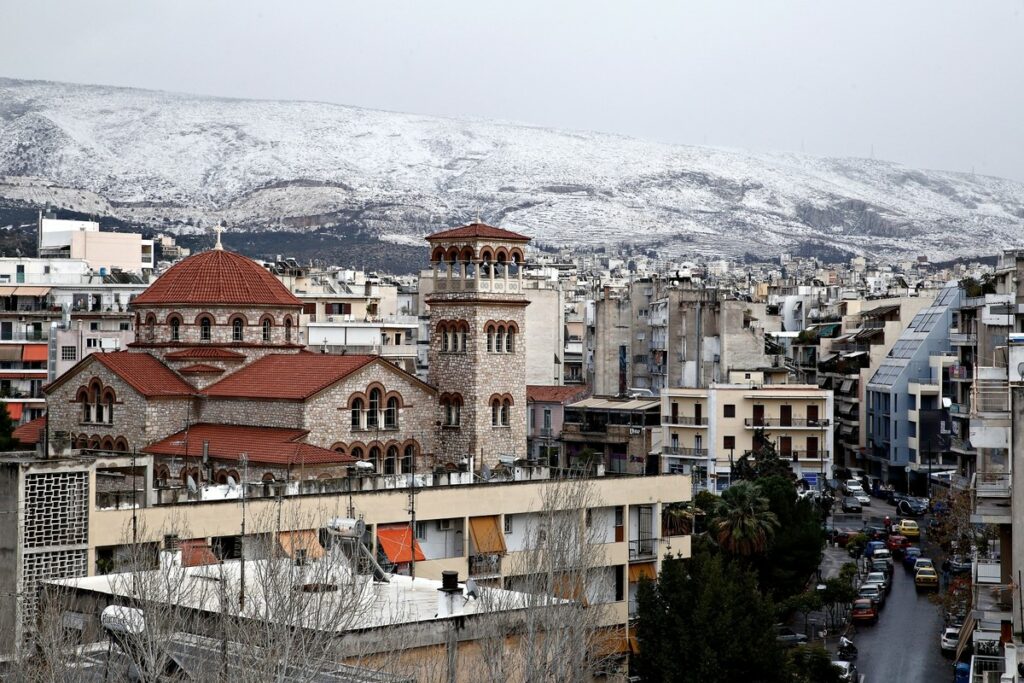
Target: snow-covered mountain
163 158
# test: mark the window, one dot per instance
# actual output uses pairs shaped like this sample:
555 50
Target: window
150 327
729 443
372 417
510 341
205 328
452 407
533 418
506 410
729 410
499 340
92 343
175 329
463 334
99 412
108 400
495 413
391 414
288 330
266 330
124 326
357 413
391 461
443 331
236 330
508 524
490 339
547 419
407 459
68 353
86 412
421 530
375 458
357 453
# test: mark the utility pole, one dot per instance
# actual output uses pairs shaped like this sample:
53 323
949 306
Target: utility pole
412 520
243 460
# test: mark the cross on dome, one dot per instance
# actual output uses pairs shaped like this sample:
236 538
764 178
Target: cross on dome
218 229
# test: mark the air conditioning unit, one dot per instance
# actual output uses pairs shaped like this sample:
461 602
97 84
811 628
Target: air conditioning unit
444 525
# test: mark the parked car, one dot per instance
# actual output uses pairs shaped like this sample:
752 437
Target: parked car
851 504
908 528
949 639
849 671
873 592
926 578
880 578
864 611
880 565
863 497
872 546
958 564
910 557
788 637
897 544
875 533
852 487
883 554
923 562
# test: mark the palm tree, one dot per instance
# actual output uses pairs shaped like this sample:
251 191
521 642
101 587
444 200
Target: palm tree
743 524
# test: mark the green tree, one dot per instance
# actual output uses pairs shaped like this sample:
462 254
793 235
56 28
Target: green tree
796 547
762 461
7 441
813 665
704 621
743 524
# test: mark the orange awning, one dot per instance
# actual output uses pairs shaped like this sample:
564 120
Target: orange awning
570 587
15 410
305 539
646 570
34 353
196 552
488 538
399 545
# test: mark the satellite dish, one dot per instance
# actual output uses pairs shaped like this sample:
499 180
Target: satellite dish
191 484
471 589
231 482
1020 370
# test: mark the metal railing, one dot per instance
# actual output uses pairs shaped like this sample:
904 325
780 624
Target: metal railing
982 666
987 571
779 422
963 338
992 484
684 450
642 548
485 565
801 455
684 420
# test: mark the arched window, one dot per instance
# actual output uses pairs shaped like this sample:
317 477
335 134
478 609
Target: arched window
391 414
175 329
495 412
357 453
266 329
150 327
510 340
452 408
453 338
288 330
121 444
86 411
237 333
161 473
99 410
391 461
499 339
442 329
506 410
205 328
357 413
372 417
408 458
375 458
463 336
268 477
108 405
490 339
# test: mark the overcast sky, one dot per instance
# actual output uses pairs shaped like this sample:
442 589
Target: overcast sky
934 83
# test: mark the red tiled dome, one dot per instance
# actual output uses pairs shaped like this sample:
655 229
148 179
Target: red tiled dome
217 277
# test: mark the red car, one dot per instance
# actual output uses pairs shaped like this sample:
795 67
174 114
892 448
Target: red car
864 611
897 544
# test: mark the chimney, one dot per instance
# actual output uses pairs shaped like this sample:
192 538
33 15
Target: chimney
449 595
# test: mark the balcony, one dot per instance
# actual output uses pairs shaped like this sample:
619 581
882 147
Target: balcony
643 549
793 423
961 446
960 409
485 566
795 455
993 602
963 339
685 451
987 669
987 571
961 373
684 421
992 484
992 498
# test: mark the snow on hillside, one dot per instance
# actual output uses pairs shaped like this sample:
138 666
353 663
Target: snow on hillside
158 157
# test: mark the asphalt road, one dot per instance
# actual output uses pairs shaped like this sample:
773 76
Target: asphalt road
903 647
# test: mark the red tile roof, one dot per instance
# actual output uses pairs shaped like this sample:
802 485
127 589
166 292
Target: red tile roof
479 230
201 369
197 352
544 393
271 445
217 277
293 377
30 433
144 373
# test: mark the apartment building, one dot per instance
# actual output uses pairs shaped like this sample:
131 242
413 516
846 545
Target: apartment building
103 251
545 406
611 434
706 430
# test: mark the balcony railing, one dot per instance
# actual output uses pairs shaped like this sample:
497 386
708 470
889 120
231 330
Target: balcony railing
685 451
963 338
987 571
992 484
484 565
802 455
684 420
780 422
983 668
960 408
642 549
544 432
993 598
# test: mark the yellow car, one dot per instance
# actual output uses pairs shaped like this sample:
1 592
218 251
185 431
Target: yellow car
908 528
926 579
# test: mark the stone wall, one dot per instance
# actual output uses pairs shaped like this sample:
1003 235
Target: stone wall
256 413
477 375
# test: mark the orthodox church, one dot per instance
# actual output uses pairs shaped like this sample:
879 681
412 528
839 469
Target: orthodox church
217 371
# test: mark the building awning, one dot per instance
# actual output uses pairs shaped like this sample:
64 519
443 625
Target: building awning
570 586
15 410
399 545
965 635
305 540
197 552
34 353
487 536
31 291
7 290
644 570
846 386
829 358
612 644
11 352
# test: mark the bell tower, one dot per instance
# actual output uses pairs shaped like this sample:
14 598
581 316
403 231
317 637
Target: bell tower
477 352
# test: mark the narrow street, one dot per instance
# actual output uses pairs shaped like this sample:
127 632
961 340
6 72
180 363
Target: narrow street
904 645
